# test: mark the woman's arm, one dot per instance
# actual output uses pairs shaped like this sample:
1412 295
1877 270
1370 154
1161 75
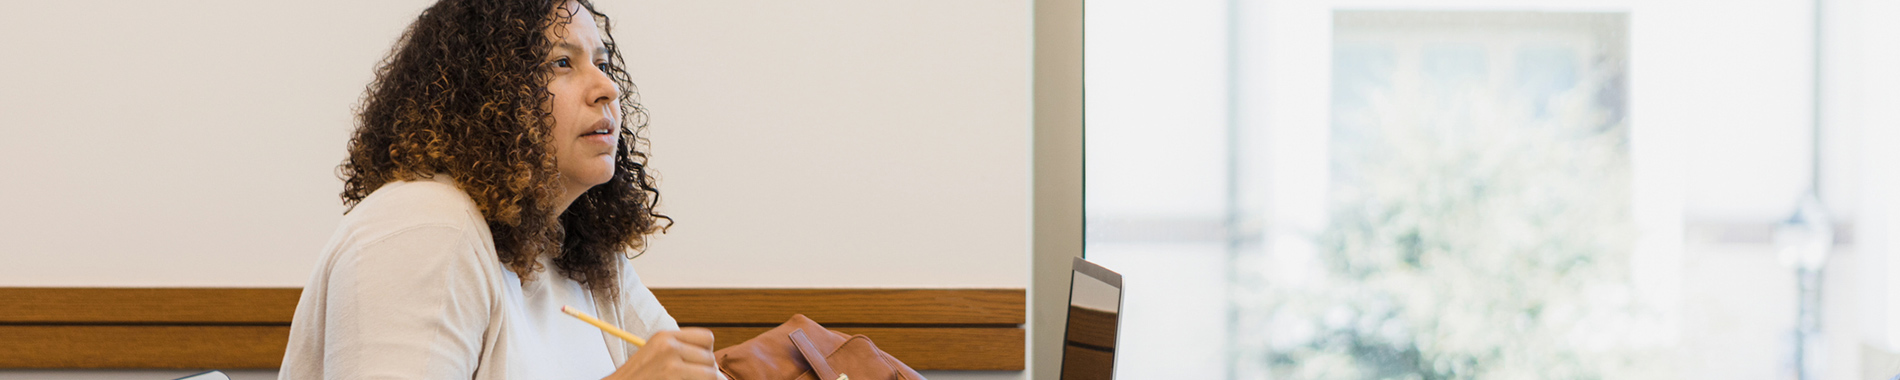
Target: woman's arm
412 305
639 307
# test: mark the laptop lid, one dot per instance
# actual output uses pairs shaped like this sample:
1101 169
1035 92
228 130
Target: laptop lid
1088 342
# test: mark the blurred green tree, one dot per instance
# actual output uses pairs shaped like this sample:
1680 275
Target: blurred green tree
1469 237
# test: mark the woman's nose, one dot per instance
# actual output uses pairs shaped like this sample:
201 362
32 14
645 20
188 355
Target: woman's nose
601 88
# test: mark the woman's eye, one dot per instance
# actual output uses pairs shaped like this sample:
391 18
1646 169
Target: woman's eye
603 66
562 63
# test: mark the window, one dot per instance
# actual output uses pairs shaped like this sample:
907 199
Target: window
1477 209
1341 189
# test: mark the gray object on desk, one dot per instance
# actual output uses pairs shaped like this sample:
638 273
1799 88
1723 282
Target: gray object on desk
206 375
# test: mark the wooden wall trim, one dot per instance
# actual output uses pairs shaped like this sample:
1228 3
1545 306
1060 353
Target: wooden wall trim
845 306
247 328
142 346
148 305
689 306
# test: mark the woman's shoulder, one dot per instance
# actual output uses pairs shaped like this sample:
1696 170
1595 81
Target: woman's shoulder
407 204
427 223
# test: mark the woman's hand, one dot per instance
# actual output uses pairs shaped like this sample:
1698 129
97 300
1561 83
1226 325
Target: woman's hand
672 355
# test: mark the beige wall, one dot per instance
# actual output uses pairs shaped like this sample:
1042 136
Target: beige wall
818 143
838 143
800 144
177 143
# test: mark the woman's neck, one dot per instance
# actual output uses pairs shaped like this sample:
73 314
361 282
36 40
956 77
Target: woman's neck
568 195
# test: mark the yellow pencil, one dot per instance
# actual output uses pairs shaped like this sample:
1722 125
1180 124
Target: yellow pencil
610 329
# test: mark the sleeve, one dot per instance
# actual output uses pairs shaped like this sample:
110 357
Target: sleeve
412 305
640 306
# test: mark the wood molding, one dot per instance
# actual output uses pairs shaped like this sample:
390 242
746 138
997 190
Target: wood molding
142 346
247 328
770 307
148 305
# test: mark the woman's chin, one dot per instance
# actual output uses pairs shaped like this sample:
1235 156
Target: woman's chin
596 179
587 179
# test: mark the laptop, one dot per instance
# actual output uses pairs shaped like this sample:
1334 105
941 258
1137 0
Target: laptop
1088 342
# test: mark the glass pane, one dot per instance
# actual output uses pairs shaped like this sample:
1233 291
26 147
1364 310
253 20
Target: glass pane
1478 209
1157 179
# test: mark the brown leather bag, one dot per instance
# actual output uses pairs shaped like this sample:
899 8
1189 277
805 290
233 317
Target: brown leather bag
801 349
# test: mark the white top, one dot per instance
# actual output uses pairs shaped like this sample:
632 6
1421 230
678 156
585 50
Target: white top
410 287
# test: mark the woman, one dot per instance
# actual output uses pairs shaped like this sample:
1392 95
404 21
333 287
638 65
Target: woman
495 176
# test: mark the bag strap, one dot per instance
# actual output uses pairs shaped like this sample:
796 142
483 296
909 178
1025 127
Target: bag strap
817 360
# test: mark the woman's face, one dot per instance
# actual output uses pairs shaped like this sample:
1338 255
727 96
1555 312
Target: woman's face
585 104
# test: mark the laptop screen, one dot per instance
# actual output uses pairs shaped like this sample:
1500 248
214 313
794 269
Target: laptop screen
1088 345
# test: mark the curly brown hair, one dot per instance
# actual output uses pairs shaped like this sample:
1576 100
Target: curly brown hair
463 94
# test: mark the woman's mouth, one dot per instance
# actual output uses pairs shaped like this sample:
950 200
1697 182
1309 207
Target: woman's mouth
603 133
604 127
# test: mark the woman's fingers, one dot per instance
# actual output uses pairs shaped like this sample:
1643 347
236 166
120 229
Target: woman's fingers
690 345
695 346
695 336
697 372
693 371
660 339
696 355
684 354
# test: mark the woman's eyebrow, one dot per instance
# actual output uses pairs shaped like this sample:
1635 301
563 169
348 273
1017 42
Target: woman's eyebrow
599 50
